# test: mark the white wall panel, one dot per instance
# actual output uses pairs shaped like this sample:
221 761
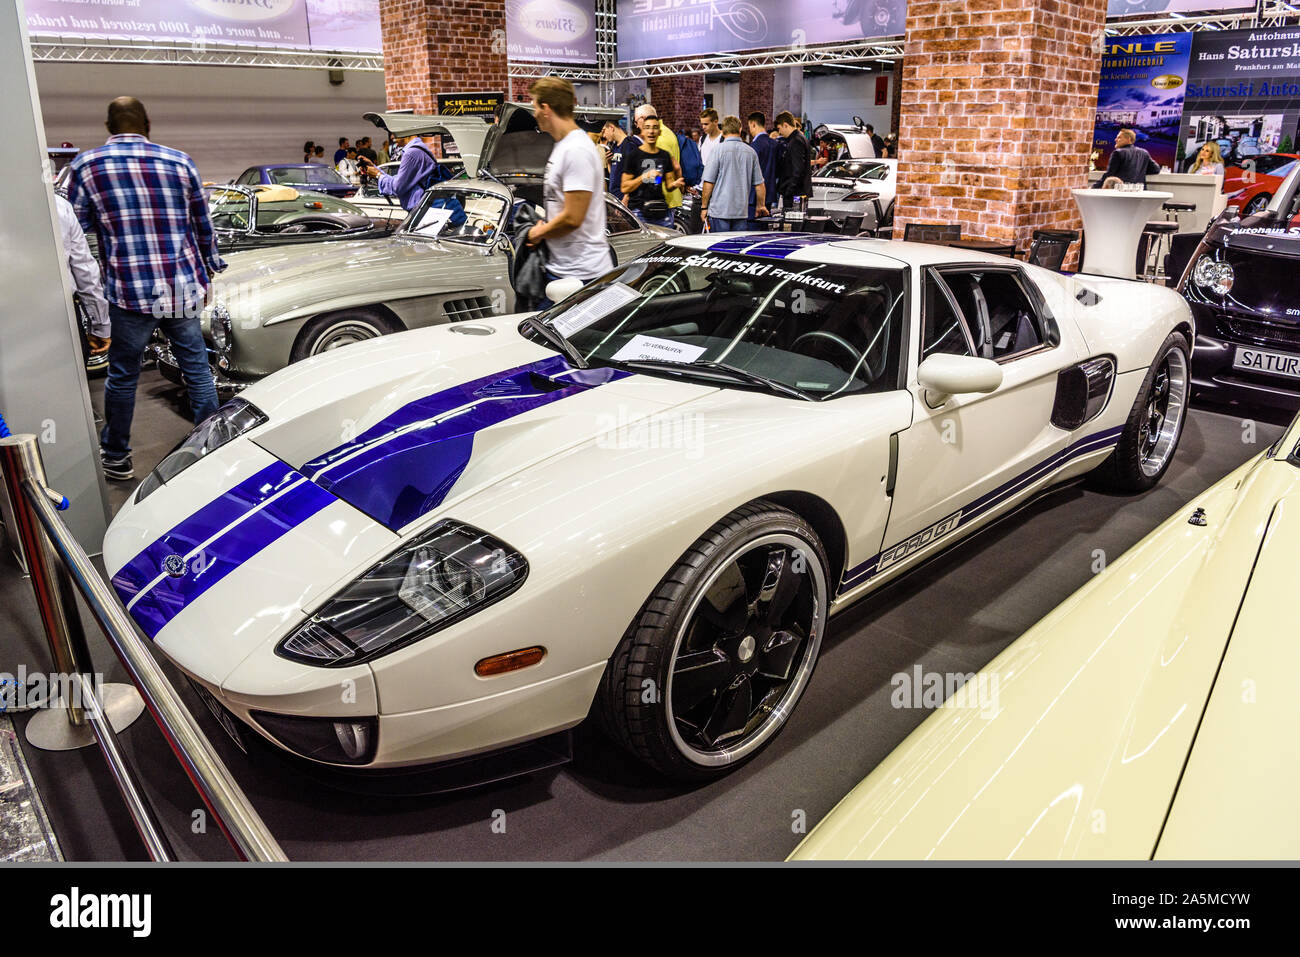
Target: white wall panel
839 97
227 118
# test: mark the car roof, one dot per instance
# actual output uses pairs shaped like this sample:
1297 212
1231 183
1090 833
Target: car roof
840 250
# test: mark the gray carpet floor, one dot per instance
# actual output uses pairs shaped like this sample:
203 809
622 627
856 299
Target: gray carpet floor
953 615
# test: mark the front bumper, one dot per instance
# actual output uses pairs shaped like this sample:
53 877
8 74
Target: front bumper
160 351
1215 378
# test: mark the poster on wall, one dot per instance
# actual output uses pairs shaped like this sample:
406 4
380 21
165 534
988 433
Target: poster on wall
1243 105
1129 8
654 29
1143 85
551 31
470 104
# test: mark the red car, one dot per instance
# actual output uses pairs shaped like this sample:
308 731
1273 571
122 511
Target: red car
1252 189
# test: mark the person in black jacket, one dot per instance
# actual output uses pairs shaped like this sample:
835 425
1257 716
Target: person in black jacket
795 173
1132 164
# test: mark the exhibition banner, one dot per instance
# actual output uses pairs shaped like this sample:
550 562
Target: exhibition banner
262 22
1243 96
1129 8
1143 83
654 29
344 25
551 31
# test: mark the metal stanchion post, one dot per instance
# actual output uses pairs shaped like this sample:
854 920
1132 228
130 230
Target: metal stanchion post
60 727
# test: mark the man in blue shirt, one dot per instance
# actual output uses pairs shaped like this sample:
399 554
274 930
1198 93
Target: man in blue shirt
146 206
417 171
730 176
768 153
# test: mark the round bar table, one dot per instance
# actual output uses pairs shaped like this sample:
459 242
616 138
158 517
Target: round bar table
1113 221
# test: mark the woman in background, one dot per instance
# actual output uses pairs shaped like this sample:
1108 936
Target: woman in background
1209 160
307 149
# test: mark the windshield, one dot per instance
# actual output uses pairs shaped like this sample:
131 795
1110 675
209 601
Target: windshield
229 208
466 215
857 169
309 175
824 330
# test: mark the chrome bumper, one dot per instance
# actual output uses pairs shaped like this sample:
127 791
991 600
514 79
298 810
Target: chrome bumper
161 352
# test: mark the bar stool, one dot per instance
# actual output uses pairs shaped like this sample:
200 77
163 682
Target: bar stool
1155 246
1174 212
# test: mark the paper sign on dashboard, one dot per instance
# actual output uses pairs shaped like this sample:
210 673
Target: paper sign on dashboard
597 307
648 347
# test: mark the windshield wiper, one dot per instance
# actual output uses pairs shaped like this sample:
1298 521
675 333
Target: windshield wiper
718 368
533 324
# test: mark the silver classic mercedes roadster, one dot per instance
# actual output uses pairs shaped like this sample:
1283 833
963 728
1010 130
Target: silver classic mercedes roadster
448 262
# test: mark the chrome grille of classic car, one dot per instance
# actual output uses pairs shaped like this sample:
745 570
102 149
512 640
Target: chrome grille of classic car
478 307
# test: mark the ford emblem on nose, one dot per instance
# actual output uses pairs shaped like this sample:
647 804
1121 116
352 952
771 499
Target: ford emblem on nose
174 565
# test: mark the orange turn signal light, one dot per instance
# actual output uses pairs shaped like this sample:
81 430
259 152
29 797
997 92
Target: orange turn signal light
509 661
315 205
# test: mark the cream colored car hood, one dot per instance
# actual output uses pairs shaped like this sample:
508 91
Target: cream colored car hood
1081 728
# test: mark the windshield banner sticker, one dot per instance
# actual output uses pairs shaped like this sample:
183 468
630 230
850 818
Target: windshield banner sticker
665 350
597 307
750 268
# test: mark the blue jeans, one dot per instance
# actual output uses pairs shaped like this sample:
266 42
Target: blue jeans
131 332
719 225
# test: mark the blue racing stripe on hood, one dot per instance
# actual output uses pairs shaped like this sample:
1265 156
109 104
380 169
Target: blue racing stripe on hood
777 246
405 466
213 542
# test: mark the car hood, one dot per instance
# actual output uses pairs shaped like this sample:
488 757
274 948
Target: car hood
1267 232
359 452
433 415
1071 743
267 285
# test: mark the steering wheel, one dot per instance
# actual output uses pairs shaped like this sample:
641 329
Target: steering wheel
837 340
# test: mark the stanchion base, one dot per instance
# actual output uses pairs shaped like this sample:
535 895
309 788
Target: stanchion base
50 729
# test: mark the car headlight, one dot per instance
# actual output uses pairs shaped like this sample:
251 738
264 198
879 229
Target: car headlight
439 578
225 425
1209 273
220 328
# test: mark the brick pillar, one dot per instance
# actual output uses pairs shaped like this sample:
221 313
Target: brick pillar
756 88
678 100
441 46
998 104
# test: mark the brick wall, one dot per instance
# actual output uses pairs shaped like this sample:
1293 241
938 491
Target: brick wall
441 46
756 93
678 100
998 102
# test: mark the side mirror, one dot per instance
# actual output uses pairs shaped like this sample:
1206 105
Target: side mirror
943 376
1232 212
557 290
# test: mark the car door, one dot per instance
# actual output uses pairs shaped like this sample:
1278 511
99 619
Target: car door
974 456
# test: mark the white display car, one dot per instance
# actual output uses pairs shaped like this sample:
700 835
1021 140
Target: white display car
856 187
642 503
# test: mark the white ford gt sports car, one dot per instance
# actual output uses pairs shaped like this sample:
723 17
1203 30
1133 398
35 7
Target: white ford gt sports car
642 504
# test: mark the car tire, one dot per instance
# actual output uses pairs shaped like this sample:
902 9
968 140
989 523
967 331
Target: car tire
1140 459
325 333
749 661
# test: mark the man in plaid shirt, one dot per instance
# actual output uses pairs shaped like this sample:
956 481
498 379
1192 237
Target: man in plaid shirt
145 203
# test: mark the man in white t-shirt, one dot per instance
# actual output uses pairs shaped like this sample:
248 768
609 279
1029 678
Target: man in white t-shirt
712 137
573 188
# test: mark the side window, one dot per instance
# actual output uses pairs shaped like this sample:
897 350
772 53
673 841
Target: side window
618 219
1003 319
942 330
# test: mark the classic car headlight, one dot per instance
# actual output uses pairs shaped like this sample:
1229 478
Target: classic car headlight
220 328
445 575
1213 275
226 424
